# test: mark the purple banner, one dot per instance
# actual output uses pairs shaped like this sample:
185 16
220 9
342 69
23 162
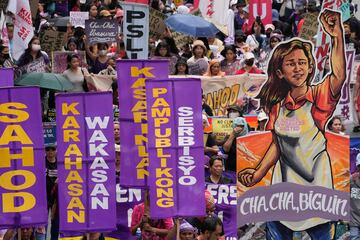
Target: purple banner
354 151
7 77
22 164
292 202
126 200
133 117
176 147
225 206
86 162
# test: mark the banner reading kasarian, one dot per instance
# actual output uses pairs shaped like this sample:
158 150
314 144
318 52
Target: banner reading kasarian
176 147
23 28
86 162
133 117
22 164
293 204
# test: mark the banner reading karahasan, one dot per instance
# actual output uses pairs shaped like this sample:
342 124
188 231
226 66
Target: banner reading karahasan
238 89
22 165
288 201
86 162
176 148
133 117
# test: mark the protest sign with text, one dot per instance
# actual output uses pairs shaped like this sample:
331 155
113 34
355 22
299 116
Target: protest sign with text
101 31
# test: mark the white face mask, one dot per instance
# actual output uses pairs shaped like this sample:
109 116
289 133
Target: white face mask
102 52
233 115
35 47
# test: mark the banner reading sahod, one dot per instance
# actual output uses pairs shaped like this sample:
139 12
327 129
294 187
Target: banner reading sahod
22 165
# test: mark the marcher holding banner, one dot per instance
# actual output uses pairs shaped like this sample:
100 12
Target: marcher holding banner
299 111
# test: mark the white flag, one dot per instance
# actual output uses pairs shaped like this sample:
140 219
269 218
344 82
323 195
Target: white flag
23 28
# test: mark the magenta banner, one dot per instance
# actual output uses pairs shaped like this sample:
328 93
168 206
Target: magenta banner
225 207
176 147
292 202
133 117
6 77
22 163
86 162
126 200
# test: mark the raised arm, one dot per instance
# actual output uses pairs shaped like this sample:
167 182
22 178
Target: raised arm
331 23
251 176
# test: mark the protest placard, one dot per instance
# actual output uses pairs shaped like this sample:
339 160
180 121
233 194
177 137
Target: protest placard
59 64
310 27
181 39
221 127
175 140
36 66
77 19
101 31
156 26
51 40
86 162
49 130
136 30
133 124
22 166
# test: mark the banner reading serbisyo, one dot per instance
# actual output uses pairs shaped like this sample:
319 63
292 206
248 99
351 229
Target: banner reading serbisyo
133 117
176 147
22 164
225 207
136 30
86 162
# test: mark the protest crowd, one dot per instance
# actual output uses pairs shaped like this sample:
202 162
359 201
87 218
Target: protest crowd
77 44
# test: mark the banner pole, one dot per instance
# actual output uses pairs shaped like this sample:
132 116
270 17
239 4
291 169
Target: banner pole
177 229
19 233
87 236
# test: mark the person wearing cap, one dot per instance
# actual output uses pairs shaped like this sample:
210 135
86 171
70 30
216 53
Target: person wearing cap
198 63
240 16
105 14
229 65
234 111
261 119
355 201
269 28
240 128
249 67
275 38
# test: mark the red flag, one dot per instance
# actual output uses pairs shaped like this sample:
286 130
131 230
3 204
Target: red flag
260 8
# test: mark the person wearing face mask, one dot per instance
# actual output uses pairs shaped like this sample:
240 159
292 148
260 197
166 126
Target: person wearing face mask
240 128
249 66
234 111
32 53
100 59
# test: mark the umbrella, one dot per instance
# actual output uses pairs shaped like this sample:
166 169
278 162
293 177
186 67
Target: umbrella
191 25
45 80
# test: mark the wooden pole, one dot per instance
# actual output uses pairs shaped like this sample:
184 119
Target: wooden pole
19 233
177 229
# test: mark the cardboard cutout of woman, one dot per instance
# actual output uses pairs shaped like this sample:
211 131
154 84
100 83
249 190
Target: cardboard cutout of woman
298 112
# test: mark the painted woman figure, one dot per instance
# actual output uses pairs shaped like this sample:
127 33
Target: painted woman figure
298 112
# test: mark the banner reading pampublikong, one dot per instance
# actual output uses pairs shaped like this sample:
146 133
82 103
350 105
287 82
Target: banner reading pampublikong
176 148
133 117
22 164
86 162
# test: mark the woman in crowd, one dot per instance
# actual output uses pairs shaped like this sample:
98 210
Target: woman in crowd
93 12
198 63
216 165
75 73
214 69
335 125
181 67
229 65
257 40
5 59
32 53
99 59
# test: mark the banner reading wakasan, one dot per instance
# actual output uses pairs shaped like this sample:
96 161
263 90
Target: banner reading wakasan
176 148
86 162
22 164
133 117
